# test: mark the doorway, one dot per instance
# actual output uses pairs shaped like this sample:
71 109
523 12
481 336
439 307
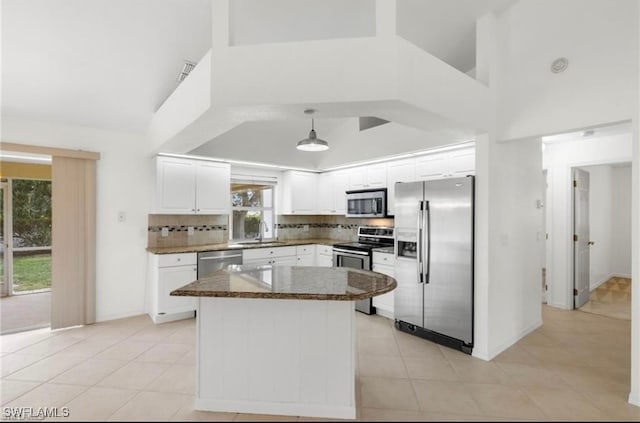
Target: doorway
25 216
609 244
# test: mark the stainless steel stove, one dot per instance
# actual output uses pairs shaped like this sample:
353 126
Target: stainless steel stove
358 255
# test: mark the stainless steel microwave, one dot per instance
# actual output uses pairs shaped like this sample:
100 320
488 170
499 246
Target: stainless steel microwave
367 203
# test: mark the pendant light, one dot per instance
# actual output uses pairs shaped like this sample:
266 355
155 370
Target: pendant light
312 143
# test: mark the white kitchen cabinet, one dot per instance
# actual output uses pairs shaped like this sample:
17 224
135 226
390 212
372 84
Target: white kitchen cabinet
305 255
299 192
368 177
398 171
192 186
276 255
448 164
384 263
324 255
331 192
168 272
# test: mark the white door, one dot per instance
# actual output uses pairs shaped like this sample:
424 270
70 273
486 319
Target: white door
176 190
340 186
171 278
581 237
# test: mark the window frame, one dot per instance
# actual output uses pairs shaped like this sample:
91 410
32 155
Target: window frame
261 210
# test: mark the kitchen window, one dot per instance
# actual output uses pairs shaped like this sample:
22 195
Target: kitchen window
252 214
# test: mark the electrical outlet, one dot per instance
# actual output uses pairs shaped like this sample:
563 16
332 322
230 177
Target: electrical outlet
164 231
305 228
190 230
122 217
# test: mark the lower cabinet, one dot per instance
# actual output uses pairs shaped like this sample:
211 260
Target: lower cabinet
285 256
167 273
324 255
305 255
383 263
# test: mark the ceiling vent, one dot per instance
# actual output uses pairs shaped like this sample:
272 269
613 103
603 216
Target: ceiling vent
186 70
368 122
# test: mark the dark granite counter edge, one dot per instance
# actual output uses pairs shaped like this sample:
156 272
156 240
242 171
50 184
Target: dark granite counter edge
284 296
223 247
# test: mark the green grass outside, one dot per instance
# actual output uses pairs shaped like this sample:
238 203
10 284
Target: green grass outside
31 272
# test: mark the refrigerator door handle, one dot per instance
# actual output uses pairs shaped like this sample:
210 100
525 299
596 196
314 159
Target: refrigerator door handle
419 244
427 240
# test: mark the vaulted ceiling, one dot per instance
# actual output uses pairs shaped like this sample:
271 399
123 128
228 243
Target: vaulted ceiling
111 63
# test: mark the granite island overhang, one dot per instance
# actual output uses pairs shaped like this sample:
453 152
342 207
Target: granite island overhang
280 339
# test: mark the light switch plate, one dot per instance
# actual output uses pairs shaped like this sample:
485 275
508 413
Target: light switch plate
164 231
305 228
190 230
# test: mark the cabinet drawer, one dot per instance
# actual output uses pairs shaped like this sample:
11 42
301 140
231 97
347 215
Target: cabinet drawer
383 258
304 249
260 253
325 249
183 259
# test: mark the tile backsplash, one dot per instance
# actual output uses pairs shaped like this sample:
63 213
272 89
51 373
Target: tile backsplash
214 229
207 229
335 227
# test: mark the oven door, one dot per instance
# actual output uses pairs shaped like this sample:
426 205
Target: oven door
355 260
352 259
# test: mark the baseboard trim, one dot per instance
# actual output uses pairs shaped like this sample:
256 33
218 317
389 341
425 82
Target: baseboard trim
164 318
281 408
117 316
494 352
384 312
634 398
621 275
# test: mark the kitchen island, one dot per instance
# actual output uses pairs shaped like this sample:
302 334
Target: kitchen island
279 339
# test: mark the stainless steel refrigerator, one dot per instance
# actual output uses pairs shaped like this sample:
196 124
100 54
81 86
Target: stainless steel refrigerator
434 260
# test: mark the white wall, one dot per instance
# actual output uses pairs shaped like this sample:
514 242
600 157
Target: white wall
262 22
123 184
600 223
508 243
559 158
621 218
598 37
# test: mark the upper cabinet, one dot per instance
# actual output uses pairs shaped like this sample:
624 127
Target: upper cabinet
398 171
368 177
299 192
192 186
448 164
331 192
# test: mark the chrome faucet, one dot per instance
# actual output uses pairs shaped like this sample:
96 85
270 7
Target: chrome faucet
266 229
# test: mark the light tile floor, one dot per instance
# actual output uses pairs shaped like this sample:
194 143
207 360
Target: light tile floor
612 298
575 367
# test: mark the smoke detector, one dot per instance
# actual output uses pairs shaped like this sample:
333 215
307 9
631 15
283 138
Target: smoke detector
186 70
559 65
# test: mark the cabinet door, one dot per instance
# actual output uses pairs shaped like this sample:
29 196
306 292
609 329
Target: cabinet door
376 176
432 166
303 193
305 260
171 278
324 260
340 186
175 185
325 193
213 188
462 162
285 261
357 178
384 302
401 171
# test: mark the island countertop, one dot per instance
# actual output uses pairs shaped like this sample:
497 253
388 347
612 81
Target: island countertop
290 282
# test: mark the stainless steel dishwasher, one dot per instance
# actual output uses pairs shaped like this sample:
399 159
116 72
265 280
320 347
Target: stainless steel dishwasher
210 261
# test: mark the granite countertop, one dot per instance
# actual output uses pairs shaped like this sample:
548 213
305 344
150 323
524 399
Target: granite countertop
232 246
290 282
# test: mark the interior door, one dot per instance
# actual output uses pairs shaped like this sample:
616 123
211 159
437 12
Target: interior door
580 237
